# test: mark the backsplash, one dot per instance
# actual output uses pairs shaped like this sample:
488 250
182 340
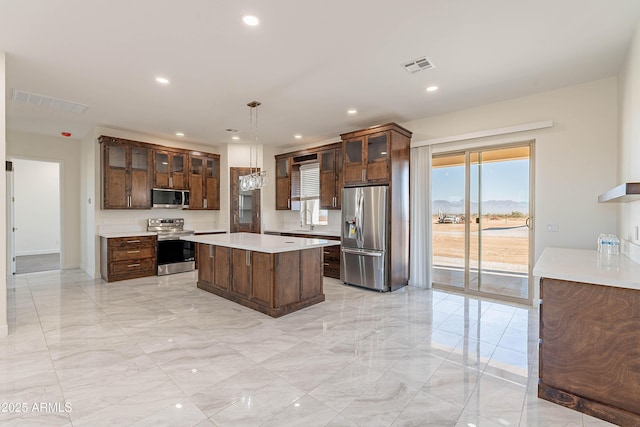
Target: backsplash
631 250
290 220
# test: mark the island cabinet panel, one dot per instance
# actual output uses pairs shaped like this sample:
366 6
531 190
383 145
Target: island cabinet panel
241 272
262 278
590 349
310 271
205 263
222 263
288 278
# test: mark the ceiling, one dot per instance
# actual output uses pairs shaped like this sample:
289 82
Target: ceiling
307 62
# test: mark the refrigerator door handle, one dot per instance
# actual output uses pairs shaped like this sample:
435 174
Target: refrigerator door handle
361 252
359 221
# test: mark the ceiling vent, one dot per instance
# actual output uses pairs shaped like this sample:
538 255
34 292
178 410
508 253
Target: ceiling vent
418 65
48 102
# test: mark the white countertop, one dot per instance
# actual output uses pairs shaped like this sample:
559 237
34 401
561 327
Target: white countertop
260 242
127 234
588 266
328 233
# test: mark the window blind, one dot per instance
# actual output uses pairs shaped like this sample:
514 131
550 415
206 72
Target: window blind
310 181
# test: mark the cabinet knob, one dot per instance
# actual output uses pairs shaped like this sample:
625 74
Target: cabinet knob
133 265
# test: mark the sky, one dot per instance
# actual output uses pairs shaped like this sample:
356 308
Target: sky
508 180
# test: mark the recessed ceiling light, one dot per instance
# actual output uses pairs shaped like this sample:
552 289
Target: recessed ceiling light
432 88
235 137
162 80
250 20
352 111
298 136
179 134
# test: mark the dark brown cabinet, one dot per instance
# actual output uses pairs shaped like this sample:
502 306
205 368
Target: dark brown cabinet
272 283
331 254
331 177
126 169
366 158
380 155
170 170
283 182
241 272
589 350
204 182
124 258
130 169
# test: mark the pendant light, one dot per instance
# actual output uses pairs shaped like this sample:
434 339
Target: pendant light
255 180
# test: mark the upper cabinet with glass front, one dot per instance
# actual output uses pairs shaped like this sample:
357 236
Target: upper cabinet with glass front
204 181
368 154
130 169
126 171
170 170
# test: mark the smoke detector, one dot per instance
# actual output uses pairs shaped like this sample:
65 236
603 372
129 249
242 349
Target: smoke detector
48 102
418 65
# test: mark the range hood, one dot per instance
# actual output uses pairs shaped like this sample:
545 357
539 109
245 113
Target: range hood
629 192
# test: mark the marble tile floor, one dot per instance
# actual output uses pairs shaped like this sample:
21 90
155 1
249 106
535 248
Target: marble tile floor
159 352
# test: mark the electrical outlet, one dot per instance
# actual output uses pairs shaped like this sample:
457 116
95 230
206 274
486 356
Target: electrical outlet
552 227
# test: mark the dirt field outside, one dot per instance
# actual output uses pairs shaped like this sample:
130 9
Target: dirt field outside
505 243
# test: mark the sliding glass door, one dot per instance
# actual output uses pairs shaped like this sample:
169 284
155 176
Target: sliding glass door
481 225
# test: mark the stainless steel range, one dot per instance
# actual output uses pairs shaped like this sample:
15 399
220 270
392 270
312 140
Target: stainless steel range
174 255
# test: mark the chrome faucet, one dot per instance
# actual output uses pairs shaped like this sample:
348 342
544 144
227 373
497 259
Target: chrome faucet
304 214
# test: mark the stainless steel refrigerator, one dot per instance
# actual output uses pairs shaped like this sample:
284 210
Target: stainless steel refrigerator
365 237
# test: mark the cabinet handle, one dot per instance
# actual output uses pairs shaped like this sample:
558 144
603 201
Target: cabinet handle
205 203
364 175
235 221
133 252
133 265
248 258
288 203
171 181
326 263
133 241
129 201
210 251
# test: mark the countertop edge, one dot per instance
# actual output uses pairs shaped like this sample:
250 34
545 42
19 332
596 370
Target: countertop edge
587 266
216 240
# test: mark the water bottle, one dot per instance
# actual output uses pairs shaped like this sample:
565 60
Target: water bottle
614 244
604 244
600 240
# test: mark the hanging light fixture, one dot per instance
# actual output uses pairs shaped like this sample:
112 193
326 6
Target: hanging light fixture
255 180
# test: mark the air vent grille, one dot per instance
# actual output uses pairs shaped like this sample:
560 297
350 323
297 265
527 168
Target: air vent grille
48 102
419 65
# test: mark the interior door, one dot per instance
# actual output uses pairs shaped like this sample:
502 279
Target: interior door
245 205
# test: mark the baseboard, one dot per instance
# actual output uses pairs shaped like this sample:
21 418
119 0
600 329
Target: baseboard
38 252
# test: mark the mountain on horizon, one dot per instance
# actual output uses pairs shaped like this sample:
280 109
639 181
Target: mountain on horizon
488 207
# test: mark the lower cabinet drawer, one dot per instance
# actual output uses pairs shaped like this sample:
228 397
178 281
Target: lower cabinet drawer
119 254
133 267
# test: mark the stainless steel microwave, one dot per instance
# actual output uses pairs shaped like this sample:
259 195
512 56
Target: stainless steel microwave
166 198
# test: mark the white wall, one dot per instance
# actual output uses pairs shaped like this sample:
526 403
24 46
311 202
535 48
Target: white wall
36 186
575 160
4 328
629 147
66 152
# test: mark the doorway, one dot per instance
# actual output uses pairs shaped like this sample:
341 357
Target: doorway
37 237
245 205
482 226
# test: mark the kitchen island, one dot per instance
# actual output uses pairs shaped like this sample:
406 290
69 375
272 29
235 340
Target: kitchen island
275 275
589 354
